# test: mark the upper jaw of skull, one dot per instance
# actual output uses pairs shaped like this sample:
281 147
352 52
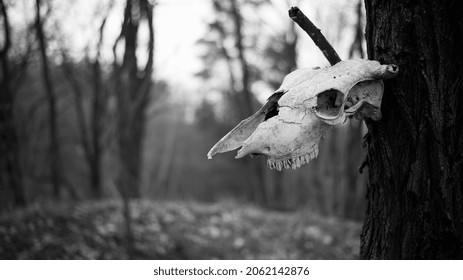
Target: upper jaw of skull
286 143
308 103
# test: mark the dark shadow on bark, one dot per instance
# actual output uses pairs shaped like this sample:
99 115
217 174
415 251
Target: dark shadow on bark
415 206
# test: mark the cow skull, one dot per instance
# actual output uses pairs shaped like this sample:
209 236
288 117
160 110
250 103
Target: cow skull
288 128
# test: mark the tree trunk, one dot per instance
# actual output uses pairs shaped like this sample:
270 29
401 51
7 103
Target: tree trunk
54 148
256 169
99 109
415 153
133 91
90 134
246 91
11 184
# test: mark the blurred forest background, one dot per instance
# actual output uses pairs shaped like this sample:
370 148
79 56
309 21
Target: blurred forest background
108 109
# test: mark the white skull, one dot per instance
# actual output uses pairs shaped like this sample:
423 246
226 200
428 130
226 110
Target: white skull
288 128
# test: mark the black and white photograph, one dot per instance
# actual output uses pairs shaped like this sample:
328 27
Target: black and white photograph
181 130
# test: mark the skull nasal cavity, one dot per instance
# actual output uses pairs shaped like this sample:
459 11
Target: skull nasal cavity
329 102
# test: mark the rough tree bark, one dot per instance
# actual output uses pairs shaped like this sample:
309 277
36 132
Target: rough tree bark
11 185
415 153
54 147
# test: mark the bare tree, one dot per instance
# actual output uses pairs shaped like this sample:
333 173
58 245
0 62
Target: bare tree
54 146
91 131
246 91
11 184
248 100
98 113
132 88
132 93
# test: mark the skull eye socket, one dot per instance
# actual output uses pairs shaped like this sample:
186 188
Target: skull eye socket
329 103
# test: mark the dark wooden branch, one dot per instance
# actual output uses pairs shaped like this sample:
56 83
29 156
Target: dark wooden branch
6 26
314 33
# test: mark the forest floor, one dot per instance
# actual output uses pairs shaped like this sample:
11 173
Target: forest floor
174 230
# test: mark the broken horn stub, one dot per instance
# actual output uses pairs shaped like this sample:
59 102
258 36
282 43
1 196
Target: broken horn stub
288 128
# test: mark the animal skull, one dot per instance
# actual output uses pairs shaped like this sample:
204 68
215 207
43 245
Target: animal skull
288 128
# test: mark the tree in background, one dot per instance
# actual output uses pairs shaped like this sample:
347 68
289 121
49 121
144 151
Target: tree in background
80 102
11 181
132 84
54 144
228 26
415 193
91 130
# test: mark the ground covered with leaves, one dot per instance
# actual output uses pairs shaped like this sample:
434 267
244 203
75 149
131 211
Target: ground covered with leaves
174 230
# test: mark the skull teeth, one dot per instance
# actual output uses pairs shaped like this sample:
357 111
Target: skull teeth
294 162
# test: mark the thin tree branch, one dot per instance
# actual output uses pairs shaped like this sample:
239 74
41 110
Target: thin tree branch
314 33
6 24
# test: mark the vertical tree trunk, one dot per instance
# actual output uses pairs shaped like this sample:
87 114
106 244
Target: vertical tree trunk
90 134
133 94
11 185
246 91
415 153
99 109
54 148
132 87
257 169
